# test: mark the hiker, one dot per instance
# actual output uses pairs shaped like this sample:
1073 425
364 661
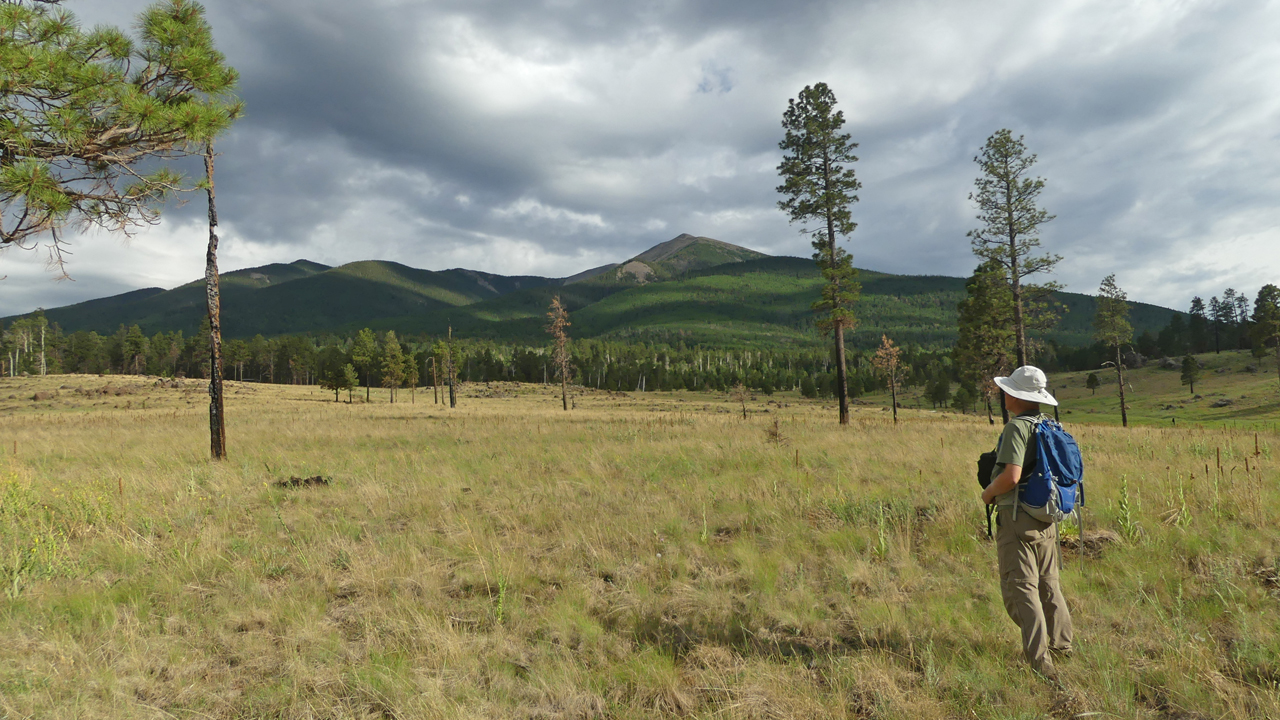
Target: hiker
1027 547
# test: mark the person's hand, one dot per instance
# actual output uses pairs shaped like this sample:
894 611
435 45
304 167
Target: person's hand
1004 482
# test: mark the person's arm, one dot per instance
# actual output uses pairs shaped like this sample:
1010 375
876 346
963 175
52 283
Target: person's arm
1004 482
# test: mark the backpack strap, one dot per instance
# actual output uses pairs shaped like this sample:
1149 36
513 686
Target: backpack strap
1030 455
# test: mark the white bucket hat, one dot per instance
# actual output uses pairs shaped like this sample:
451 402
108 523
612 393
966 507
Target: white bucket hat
1027 383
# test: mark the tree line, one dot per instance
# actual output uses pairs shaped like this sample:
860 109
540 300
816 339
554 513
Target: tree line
393 361
1232 323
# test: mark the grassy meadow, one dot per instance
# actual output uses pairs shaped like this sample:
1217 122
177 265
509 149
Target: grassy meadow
1236 390
646 555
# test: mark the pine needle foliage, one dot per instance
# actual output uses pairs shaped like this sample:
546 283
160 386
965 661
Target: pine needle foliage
364 353
985 345
819 186
85 115
1266 321
1190 372
1010 233
393 362
1112 328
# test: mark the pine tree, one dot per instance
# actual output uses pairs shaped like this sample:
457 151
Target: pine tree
337 375
1217 318
1243 322
820 186
1198 326
392 364
1190 372
985 345
364 354
1173 337
349 379
940 391
135 351
1011 221
1266 321
92 119
962 400
1093 383
1112 328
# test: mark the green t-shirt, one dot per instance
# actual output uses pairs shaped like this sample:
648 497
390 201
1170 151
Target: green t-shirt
1012 448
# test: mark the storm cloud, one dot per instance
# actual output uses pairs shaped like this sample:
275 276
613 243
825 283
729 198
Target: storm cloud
548 137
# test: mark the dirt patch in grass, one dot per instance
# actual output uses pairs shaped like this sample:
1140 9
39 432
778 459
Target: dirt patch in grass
1267 572
1095 542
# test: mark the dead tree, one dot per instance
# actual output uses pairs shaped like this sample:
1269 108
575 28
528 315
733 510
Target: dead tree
217 416
558 320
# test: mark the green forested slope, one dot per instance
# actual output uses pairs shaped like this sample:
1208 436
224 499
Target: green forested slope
700 291
295 298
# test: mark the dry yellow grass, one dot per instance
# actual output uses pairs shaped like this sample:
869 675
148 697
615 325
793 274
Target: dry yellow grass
651 555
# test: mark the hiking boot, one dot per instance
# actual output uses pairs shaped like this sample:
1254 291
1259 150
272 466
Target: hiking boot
1063 654
1049 673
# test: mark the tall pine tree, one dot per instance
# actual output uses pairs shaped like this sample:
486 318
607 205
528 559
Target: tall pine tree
1112 328
1010 234
819 186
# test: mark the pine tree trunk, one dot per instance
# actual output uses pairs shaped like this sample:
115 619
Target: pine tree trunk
1278 357
1124 414
1015 286
217 416
564 388
893 395
842 382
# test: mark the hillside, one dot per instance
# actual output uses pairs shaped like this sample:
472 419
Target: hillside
688 289
760 303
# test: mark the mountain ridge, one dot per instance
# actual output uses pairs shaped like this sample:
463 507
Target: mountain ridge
694 288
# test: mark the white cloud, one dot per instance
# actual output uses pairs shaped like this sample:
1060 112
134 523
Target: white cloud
533 211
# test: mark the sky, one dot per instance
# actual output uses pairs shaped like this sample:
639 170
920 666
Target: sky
546 137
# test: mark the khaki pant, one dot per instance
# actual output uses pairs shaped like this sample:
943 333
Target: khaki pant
1028 553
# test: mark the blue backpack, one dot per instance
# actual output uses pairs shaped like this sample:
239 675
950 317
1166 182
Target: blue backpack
1055 486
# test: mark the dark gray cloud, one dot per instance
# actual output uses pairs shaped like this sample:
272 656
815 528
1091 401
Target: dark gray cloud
547 137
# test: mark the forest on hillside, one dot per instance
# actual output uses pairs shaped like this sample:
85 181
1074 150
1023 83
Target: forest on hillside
33 345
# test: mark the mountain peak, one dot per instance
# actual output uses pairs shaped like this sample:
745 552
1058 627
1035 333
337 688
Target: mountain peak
681 254
710 246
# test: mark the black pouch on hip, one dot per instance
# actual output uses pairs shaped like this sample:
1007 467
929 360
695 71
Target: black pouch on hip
986 466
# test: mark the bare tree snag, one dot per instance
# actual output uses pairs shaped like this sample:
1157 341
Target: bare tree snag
217 416
557 321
